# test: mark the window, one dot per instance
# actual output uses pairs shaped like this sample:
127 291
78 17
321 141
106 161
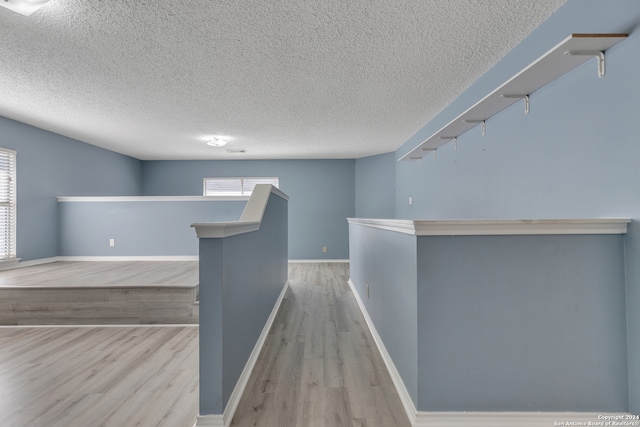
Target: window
235 186
7 204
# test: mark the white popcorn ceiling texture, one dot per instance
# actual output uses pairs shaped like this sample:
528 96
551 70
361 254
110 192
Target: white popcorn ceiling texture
153 79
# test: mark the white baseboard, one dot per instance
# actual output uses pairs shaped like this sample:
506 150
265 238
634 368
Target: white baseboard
18 264
405 397
487 419
520 419
209 421
39 261
131 258
238 390
299 261
8 264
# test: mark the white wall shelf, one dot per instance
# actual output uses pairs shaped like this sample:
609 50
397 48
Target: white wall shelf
564 57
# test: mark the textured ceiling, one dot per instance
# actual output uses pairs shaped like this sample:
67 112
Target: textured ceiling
154 79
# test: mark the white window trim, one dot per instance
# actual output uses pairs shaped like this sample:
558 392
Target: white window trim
8 238
235 186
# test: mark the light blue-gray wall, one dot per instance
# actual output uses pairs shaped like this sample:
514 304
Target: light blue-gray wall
522 323
575 155
321 195
499 323
51 165
375 186
140 228
241 278
387 262
211 266
632 263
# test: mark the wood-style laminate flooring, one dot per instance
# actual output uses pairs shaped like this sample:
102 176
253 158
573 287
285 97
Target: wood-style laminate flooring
74 274
320 365
101 292
98 376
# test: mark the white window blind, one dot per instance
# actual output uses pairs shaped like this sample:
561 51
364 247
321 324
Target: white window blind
7 204
235 186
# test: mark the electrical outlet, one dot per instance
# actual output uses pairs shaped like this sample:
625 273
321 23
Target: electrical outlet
410 200
112 242
324 249
367 291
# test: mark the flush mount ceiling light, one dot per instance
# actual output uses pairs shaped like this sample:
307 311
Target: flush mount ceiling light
23 7
217 141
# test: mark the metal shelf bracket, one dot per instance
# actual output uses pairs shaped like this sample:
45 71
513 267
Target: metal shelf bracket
525 97
482 122
451 138
597 53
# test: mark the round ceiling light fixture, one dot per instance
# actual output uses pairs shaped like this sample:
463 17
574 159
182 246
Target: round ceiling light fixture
23 7
217 141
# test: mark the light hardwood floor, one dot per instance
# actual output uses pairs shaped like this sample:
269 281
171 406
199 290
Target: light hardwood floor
107 292
105 376
319 365
69 274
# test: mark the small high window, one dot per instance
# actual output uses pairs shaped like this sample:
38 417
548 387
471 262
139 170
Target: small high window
235 186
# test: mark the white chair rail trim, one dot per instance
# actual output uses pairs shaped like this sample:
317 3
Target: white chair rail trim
153 199
224 229
497 227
